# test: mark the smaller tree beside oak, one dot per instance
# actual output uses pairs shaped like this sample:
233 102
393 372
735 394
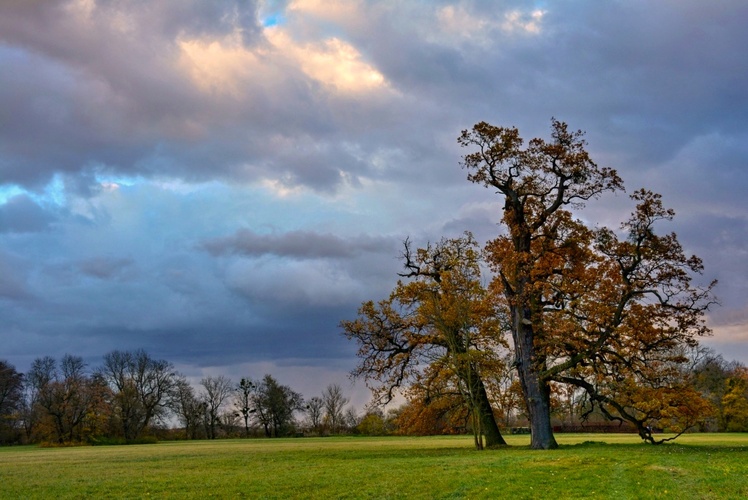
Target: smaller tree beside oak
438 334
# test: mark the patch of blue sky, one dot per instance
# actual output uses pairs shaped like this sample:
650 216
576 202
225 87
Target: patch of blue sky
271 13
53 193
274 19
9 191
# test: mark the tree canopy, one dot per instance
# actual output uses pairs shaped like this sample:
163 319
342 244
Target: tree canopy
437 333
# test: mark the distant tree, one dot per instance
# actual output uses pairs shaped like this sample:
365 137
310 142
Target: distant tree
229 422
184 403
64 395
351 418
11 400
720 382
100 417
375 423
735 401
334 402
243 401
11 388
315 410
216 390
141 387
274 406
602 310
40 374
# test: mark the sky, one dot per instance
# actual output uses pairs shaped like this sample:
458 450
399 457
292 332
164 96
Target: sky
221 182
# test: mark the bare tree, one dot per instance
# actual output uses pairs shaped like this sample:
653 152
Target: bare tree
11 398
315 409
334 402
216 392
186 406
243 401
141 386
351 418
39 375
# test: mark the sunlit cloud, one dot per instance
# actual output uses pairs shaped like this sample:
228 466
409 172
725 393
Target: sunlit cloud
220 66
332 62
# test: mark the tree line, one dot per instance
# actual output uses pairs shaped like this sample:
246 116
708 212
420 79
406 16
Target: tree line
555 312
132 397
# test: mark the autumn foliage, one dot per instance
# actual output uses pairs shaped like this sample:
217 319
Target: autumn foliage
604 314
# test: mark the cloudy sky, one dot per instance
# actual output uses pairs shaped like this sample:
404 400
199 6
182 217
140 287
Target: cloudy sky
222 182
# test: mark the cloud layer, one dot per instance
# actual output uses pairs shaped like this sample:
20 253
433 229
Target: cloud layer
222 182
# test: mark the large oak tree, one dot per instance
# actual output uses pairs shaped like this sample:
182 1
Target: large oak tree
602 310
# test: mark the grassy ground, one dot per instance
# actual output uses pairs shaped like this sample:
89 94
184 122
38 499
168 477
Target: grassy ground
696 466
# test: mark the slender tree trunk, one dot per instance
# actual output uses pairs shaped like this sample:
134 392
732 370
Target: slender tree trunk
537 391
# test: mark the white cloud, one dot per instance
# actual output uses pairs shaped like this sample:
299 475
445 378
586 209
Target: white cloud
223 66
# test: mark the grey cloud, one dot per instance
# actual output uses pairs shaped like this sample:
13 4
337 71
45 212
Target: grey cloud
294 244
105 92
13 279
721 241
105 267
95 99
21 214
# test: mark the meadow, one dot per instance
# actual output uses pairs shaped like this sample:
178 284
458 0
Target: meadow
585 466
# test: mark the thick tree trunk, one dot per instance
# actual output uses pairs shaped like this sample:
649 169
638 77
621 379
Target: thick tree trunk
538 400
537 392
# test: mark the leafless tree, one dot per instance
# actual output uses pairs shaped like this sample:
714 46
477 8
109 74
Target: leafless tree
216 391
334 402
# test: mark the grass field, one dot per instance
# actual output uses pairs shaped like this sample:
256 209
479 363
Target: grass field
696 466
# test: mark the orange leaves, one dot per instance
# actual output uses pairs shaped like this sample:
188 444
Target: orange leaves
735 401
539 179
441 317
586 307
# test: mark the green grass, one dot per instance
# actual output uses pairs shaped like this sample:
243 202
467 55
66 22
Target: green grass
696 466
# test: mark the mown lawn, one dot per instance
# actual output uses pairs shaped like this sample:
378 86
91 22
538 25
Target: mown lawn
696 466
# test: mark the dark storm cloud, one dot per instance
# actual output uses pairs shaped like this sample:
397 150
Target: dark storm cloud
294 244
